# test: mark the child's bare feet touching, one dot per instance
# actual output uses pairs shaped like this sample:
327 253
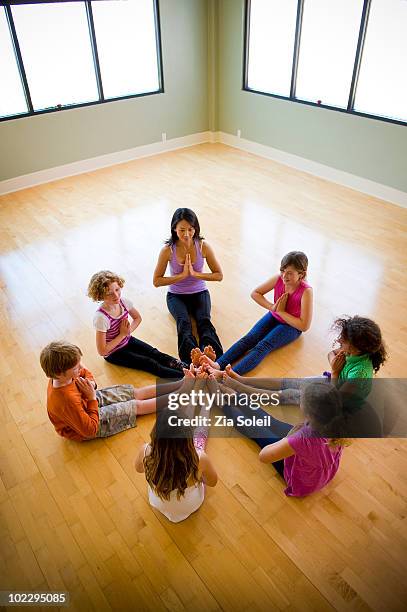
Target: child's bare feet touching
231 372
216 374
209 352
202 374
196 354
190 372
210 362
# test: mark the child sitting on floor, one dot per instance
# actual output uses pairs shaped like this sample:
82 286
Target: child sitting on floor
80 412
307 456
114 340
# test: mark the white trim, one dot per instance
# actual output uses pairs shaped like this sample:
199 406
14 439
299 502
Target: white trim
378 190
103 161
300 163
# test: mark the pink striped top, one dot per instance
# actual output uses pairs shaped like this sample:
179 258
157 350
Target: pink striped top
293 306
113 329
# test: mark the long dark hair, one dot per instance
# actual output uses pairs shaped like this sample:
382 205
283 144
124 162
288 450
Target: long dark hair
322 404
172 460
365 336
188 215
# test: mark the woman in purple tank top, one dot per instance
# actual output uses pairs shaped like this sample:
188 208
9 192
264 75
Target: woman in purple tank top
288 316
185 252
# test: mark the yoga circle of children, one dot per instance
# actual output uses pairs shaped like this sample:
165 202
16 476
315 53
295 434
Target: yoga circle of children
174 463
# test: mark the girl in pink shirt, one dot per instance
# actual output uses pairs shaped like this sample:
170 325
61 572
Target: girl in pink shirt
288 316
307 456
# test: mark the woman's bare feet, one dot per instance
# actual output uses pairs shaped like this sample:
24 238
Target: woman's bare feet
209 352
196 355
205 359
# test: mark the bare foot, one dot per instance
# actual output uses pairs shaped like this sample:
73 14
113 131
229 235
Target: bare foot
189 373
202 374
216 374
210 362
196 354
209 352
232 373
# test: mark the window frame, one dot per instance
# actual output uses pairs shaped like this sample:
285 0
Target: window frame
7 4
350 110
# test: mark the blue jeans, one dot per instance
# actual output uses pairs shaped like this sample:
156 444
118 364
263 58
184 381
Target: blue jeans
267 335
263 436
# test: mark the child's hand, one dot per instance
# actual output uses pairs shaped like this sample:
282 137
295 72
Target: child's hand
124 327
338 362
281 303
331 355
85 388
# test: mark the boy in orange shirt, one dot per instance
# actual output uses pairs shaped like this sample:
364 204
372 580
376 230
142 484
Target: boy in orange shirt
80 412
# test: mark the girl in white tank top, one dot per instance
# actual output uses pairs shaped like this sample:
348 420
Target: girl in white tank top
176 471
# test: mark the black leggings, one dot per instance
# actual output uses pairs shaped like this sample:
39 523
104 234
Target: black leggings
198 305
141 356
260 434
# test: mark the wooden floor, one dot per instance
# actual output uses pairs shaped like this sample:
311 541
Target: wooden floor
75 517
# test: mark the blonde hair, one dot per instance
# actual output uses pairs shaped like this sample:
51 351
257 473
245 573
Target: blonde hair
99 284
57 357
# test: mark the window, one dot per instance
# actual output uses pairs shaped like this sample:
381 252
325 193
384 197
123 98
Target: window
349 55
130 64
12 99
382 85
271 48
62 54
329 38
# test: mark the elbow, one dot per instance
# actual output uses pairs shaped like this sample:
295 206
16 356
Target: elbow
263 459
101 352
253 295
220 276
156 282
264 455
305 326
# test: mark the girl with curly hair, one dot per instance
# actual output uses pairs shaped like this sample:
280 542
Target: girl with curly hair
114 340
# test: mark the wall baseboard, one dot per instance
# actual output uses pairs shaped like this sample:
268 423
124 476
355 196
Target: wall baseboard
95 163
383 192
346 179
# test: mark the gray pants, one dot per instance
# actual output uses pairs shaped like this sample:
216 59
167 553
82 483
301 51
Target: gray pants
117 409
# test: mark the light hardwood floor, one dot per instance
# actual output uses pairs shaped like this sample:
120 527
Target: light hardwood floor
75 517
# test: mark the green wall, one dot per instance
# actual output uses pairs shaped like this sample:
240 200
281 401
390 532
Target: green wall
202 44
45 141
369 148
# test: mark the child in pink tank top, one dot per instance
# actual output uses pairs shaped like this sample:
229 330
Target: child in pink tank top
288 316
